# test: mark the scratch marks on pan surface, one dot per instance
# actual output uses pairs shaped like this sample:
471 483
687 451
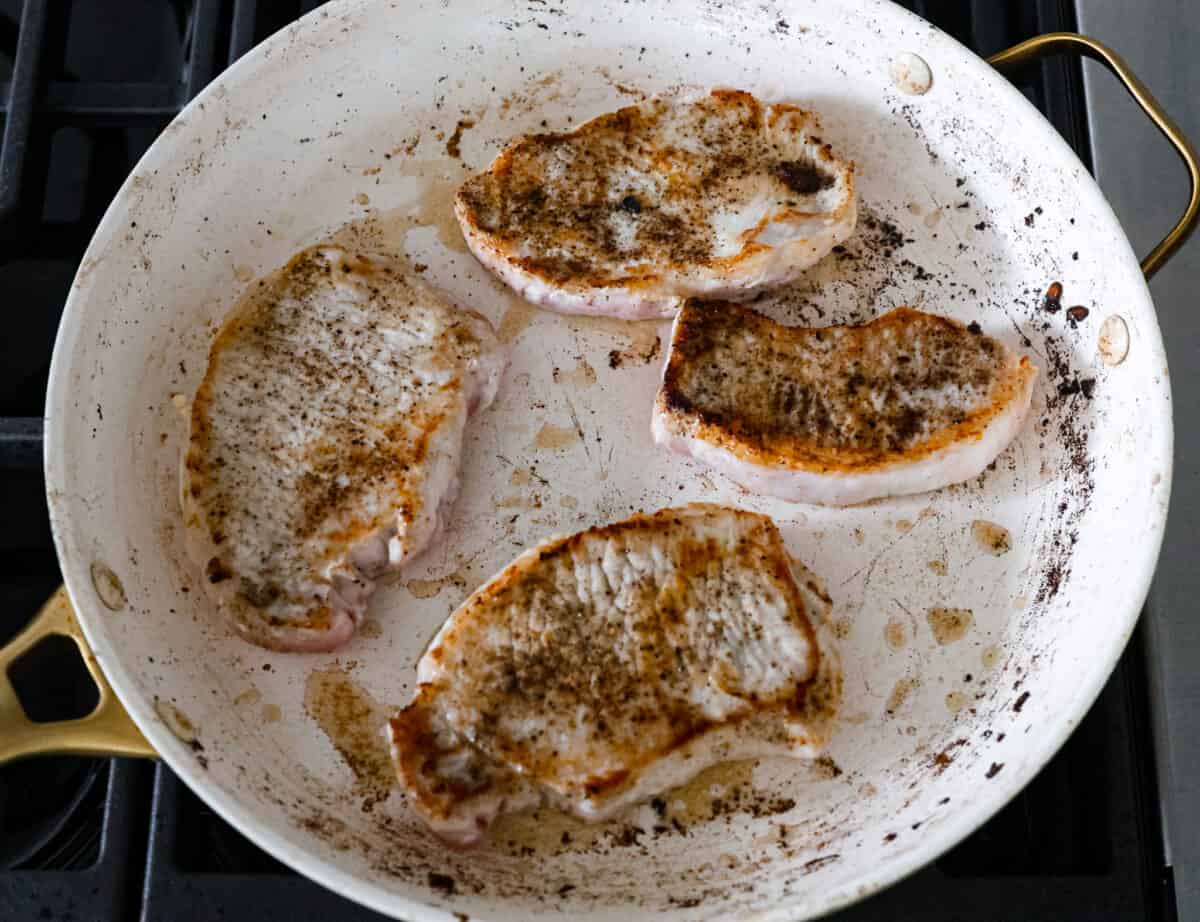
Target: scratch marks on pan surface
578 427
874 561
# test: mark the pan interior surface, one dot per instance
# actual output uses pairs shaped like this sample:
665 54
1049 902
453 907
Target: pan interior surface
975 624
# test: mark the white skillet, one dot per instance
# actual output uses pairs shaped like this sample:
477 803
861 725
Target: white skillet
348 115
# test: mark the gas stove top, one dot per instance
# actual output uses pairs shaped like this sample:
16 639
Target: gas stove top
84 89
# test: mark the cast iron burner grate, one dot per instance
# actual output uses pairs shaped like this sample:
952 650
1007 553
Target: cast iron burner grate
84 89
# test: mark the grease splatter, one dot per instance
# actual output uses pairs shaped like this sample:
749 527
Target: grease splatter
553 437
108 586
584 375
516 319
177 721
250 697
993 538
453 147
428 588
900 693
895 634
353 721
949 624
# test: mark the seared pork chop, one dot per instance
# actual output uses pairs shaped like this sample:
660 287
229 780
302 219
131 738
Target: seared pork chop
598 669
840 415
637 209
324 441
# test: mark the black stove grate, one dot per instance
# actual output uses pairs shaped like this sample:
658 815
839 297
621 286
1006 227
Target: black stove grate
84 89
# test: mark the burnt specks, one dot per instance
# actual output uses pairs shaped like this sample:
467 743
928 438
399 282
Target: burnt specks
455 140
1077 314
217 570
945 758
803 177
1071 426
994 770
631 205
442 882
1052 303
627 836
827 768
618 358
1073 436
817 863
1020 702
197 749
888 239
1084 386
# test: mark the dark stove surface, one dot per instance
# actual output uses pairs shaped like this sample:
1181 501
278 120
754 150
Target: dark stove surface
84 89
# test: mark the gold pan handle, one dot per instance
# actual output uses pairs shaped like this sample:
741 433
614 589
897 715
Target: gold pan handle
107 730
1057 42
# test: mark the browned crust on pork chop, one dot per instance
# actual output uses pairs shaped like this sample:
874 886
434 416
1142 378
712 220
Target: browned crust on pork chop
330 391
541 644
563 224
844 398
